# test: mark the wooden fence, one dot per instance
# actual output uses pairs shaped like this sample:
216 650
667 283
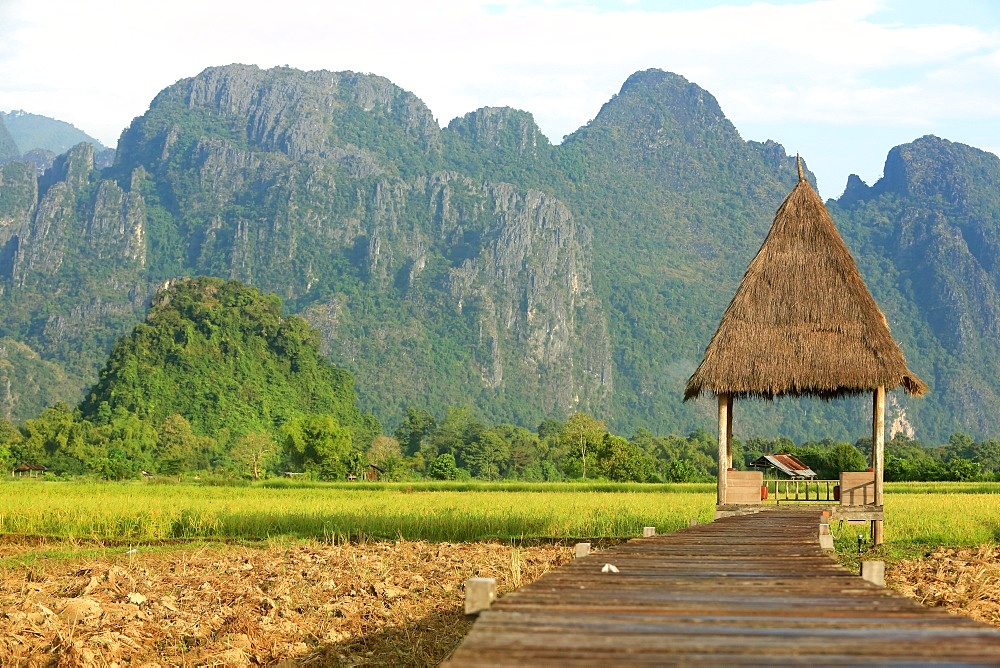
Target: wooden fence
791 491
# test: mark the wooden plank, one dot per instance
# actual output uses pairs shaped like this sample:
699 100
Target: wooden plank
857 488
743 590
743 487
858 513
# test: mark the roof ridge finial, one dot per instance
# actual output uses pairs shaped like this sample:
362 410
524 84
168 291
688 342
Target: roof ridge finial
798 160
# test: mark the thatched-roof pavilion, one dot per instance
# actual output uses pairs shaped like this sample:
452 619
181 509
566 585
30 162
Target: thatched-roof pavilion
802 323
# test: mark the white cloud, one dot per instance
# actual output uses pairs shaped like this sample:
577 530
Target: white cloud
99 63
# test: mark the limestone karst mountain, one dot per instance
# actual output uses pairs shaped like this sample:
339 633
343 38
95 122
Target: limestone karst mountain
481 264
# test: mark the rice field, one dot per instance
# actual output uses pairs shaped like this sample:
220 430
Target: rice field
316 573
143 512
954 514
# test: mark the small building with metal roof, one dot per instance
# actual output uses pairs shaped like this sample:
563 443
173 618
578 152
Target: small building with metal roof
787 464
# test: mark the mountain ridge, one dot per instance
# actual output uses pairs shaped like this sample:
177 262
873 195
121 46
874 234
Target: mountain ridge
479 263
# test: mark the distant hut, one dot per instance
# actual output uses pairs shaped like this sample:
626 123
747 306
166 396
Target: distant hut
27 469
370 473
802 322
788 465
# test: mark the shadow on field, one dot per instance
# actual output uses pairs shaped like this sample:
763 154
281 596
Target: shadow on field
438 525
426 642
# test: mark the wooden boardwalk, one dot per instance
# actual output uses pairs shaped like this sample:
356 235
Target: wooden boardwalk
750 590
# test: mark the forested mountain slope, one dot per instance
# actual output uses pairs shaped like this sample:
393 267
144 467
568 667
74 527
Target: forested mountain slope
480 264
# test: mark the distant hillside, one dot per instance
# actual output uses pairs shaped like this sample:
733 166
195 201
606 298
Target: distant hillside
33 131
28 383
8 147
482 265
679 204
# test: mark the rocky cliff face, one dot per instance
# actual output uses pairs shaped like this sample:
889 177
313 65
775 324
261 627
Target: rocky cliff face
507 297
330 189
299 115
679 204
103 227
501 134
18 202
532 289
72 254
29 384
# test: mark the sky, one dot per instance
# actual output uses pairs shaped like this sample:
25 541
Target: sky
840 82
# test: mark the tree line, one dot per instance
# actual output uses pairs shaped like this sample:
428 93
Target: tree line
118 445
219 381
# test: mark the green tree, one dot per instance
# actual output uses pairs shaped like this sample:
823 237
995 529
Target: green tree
485 455
681 470
59 440
526 452
254 454
317 444
623 461
386 453
961 444
897 469
459 429
899 445
754 448
177 446
550 428
987 453
583 433
9 438
116 465
685 459
964 469
443 467
356 462
417 425
844 457
553 449
225 358
135 438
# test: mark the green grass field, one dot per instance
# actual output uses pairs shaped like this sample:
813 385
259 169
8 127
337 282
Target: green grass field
145 512
138 512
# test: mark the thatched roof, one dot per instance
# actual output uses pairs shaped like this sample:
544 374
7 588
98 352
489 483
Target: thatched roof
802 321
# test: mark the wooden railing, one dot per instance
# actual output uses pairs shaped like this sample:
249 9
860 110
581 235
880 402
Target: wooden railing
801 491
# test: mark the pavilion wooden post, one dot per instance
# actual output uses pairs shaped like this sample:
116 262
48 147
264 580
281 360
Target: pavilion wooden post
725 444
878 457
729 432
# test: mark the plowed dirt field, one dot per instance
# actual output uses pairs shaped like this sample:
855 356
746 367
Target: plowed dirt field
374 604
398 603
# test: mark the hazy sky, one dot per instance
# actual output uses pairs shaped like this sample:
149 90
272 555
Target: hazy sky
839 81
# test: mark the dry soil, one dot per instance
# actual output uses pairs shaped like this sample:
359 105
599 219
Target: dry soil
382 604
